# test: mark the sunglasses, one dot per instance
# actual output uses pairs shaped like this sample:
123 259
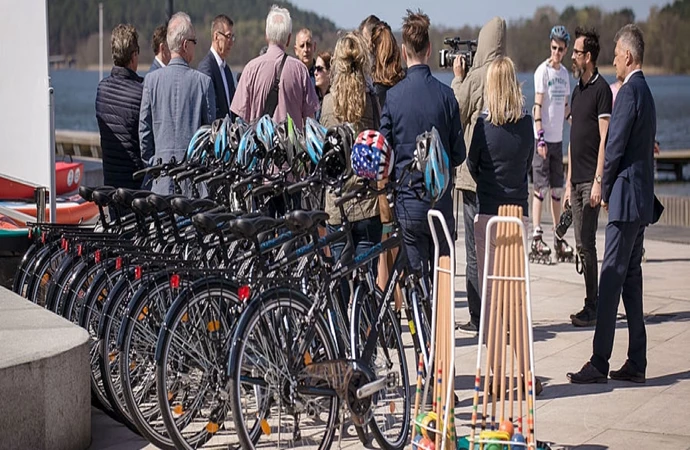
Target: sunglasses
191 40
229 36
558 49
319 69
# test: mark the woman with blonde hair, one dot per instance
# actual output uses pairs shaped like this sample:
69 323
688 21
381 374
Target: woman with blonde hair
387 68
351 101
500 155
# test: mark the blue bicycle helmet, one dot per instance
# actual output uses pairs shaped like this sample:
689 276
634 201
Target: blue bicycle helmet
372 156
221 143
266 133
247 150
433 162
314 136
560 33
199 143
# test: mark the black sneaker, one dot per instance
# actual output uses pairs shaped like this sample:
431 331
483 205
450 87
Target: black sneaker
585 318
628 373
468 328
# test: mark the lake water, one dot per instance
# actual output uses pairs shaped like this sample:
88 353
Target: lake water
75 94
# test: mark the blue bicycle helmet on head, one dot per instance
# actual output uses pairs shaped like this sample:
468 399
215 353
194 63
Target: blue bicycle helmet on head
434 163
314 136
561 33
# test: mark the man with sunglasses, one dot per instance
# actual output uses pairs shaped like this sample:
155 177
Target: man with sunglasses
592 102
551 93
214 65
176 101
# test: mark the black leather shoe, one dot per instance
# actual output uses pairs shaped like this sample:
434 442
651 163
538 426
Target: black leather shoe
587 375
585 318
628 373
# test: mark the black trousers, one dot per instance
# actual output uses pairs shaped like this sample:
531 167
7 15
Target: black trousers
621 273
585 223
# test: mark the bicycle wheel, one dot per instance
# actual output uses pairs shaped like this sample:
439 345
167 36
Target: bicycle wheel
109 326
20 282
191 364
89 318
137 342
44 269
271 379
82 277
390 407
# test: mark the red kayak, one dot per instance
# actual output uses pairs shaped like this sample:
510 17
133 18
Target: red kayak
69 210
67 179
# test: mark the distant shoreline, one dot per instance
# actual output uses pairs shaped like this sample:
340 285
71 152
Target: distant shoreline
605 70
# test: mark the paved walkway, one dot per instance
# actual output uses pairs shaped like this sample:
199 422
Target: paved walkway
616 415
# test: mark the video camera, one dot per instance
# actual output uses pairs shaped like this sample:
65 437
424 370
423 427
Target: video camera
446 56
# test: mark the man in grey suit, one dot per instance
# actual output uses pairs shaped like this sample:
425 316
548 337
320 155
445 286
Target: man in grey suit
176 101
214 64
628 195
161 51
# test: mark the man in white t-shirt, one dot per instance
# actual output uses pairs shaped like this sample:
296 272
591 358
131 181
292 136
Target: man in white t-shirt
551 107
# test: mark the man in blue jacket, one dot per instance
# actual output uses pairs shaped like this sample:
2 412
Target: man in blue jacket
214 64
628 196
118 99
415 105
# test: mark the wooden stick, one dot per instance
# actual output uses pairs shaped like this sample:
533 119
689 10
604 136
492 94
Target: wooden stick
511 315
418 394
489 332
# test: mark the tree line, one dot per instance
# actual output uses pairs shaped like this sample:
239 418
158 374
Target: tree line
73 26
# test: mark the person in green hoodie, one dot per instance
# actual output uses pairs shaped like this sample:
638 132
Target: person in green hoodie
468 87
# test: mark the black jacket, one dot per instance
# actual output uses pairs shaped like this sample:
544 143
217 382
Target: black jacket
117 111
499 159
209 66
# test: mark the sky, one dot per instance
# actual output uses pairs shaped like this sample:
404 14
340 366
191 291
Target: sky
347 14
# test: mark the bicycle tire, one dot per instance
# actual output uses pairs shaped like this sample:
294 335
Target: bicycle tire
278 306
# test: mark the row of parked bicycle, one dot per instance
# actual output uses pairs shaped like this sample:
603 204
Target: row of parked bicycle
220 322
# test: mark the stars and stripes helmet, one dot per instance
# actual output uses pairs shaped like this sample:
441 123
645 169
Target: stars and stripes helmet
433 162
372 156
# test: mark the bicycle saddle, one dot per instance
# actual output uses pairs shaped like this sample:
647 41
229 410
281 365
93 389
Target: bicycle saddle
103 196
208 223
186 207
125 197
249 227
300 220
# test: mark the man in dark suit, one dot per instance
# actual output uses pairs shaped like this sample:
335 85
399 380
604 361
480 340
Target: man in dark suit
161 52
628 196
213 64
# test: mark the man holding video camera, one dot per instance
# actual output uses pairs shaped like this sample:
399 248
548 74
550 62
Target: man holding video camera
469 92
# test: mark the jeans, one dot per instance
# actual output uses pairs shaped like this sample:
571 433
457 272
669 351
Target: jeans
585 223
365 234
419 244
470 210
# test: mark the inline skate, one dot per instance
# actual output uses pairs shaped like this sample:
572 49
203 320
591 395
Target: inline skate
564 252
540 252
